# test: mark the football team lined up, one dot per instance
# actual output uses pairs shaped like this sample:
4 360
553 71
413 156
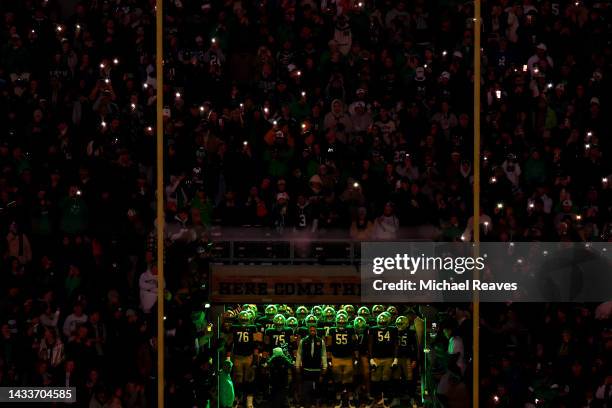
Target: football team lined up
344 356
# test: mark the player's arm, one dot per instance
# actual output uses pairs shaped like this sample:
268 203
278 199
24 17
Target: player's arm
329 343
417 349
293 339
419 326
371 341
261 325
267 337
355 345
328 338
258 334
354 338
268 343
323 356
294 336
395 337
298 357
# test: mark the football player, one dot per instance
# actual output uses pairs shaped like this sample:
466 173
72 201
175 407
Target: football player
376 311
383 355
392 310
244 351
360 331
252 308
350 311
364 312
292 323
294 342
342 352
294 336
228 319
407 354
310 320
326 323
252 315
317 311
277 335
300 313
266 321
259 335
287 312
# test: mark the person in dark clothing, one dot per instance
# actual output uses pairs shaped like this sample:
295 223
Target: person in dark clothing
278 366
311 364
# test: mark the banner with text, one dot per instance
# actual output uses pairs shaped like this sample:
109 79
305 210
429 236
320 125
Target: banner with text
498 271
285 284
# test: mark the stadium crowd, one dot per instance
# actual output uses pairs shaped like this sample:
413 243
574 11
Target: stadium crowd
306 117
76 160
357 116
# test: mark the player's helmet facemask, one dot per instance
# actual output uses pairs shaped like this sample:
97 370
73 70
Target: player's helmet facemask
349 309
244 317
360 324
311 320
377 309
271 311
252 315
329 315
402 323
292 322
252 308
279 321
341 320
301 312
383 319
363 312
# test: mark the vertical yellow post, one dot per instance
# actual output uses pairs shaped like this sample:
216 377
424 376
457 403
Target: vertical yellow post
476 217
160 198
